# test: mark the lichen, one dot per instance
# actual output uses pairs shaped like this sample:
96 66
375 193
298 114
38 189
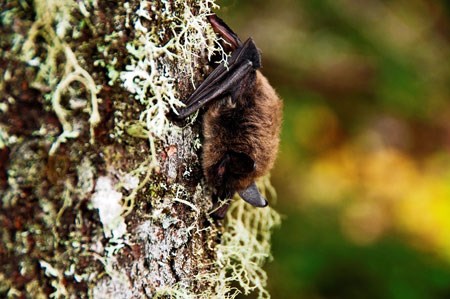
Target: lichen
151 72
67 184
53 23
245 245
244 248
43 83
108 202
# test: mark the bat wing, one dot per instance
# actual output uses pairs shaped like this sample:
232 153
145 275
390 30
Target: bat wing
224 80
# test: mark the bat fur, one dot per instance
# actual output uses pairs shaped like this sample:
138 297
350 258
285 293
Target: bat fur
241 124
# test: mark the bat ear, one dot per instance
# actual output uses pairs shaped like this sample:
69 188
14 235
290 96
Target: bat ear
253 197
219 26
240 163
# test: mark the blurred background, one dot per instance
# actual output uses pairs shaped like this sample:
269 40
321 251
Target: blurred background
363 174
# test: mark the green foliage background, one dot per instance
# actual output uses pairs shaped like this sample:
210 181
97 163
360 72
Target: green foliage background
363 175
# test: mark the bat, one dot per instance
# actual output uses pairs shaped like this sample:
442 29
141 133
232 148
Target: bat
241 123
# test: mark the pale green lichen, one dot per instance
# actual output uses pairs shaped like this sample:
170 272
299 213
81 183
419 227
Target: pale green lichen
105 50
58 283
245 244
53 22
244 248
149 76
46 50
108 202
6 139
144 170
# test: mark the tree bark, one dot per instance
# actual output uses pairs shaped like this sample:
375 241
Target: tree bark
101 194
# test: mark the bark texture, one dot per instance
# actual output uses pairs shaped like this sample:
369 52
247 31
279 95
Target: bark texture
88 206
101 194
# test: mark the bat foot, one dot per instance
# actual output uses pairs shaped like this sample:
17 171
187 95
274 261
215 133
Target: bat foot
220 208
178 119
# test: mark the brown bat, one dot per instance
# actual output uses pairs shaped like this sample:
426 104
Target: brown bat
241 124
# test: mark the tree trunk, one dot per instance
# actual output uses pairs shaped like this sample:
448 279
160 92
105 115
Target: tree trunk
101 194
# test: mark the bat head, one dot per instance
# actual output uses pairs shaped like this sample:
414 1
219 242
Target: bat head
236 168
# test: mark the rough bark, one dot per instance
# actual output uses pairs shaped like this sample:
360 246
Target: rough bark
99 196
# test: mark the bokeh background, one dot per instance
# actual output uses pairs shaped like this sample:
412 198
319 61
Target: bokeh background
363 175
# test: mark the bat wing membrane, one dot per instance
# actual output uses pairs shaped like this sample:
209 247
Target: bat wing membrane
223 79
